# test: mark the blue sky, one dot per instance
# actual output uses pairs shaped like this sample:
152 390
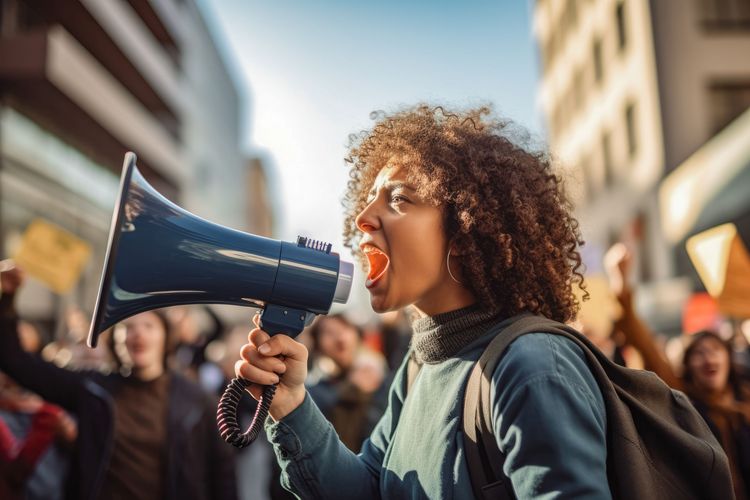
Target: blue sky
310 73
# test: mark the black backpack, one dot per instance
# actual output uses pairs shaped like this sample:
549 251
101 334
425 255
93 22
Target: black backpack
658 446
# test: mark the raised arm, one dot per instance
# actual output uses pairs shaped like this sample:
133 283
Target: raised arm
617 262
52 383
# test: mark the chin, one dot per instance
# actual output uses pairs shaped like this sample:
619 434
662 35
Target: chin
380 305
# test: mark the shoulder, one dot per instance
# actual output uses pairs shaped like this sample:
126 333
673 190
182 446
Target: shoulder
544 360
538 354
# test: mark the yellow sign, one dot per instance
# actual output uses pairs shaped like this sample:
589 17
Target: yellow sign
52 255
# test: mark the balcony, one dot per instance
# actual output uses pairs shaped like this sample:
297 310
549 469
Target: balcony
49 76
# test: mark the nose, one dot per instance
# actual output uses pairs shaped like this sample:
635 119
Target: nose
133 331
367 220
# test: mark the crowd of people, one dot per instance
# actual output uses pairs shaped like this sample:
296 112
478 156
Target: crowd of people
135 418
57 424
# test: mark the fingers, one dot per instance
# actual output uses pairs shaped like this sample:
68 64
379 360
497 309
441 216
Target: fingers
264 368
268 363
282 345
254 374
258 337
278 345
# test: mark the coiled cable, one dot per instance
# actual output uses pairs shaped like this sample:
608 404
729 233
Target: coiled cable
226 415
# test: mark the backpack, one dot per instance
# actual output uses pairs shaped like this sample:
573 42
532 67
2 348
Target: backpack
658 445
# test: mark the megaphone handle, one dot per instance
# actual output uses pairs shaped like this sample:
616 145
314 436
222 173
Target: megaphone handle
226 416
274 320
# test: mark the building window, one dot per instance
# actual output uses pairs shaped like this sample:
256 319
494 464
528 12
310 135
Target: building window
630 130
598 61
622 36
725 14
728 100
609 176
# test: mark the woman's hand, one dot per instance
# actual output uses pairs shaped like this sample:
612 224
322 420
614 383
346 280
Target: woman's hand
269 360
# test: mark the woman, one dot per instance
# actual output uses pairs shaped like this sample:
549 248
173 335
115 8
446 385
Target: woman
149 435
709 378
470 229
350 386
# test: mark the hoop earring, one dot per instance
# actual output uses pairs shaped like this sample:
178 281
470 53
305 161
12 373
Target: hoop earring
448 265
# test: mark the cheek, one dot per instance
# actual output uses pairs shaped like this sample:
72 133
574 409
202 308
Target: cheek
326 344
419 247
724 363
694 363
156 342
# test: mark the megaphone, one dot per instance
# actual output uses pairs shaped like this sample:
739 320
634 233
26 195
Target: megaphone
161 255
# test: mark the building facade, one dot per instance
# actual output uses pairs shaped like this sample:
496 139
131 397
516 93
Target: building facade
84 81
630 89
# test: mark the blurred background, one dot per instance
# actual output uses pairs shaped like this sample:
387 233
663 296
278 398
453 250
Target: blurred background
239 111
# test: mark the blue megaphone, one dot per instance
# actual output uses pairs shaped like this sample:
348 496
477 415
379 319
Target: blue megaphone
161 255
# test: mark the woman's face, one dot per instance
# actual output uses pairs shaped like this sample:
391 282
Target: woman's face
339 341
709 365
145 340
406 248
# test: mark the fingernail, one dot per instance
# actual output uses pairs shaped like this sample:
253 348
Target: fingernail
264 349
276 380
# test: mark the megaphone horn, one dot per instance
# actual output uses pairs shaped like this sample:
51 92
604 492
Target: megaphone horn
161 255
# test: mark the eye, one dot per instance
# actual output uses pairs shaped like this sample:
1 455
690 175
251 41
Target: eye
397 198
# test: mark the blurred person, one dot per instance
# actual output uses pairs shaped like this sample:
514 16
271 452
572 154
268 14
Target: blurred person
150 435
459 221
196 328
351 386
36 437
709 376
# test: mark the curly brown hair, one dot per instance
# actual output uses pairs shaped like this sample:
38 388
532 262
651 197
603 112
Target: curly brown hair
504 208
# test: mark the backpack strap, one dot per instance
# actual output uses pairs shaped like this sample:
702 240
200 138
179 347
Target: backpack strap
485 460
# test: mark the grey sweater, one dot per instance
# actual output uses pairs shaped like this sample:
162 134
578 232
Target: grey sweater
548 416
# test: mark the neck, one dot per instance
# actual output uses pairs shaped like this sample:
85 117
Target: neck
447 301
148 373
439 337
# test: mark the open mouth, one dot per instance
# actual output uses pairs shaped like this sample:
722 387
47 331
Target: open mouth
378 262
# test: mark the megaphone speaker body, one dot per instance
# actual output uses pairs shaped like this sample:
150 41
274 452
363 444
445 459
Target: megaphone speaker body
161 255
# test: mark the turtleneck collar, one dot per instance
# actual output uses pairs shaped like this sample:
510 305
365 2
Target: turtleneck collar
437 338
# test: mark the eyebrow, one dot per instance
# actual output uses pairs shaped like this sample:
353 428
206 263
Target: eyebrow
391 185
